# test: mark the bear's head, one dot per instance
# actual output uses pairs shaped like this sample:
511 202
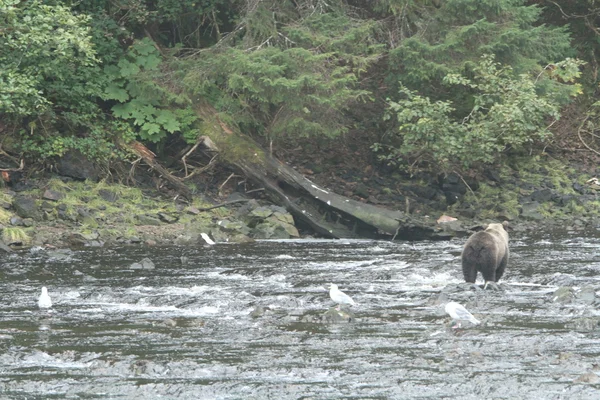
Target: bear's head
501 229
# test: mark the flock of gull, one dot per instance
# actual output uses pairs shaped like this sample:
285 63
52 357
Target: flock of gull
455 310
499 239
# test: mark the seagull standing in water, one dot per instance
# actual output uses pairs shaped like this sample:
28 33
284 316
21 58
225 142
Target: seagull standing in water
44 300
339 297
460 313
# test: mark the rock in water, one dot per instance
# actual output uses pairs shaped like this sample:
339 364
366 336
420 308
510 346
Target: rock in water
44 300
334 316
339 297
460 313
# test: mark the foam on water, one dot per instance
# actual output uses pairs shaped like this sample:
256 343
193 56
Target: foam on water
118 307
172 311
221 275
424 279
188 291
45 360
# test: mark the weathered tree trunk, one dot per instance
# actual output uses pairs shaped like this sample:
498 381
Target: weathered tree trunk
327 213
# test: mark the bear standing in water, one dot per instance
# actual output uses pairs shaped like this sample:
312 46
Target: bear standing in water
486 252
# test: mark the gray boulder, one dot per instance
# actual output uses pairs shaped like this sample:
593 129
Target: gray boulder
234 227
271 222
25 207
53 195
145 264
148 220
75 165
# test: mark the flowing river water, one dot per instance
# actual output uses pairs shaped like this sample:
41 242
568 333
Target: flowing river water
244 322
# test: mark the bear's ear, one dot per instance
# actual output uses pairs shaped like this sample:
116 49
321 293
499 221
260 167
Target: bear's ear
505 225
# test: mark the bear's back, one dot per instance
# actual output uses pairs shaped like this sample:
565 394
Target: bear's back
498 231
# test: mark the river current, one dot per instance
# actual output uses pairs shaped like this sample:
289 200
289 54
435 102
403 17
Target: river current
236 321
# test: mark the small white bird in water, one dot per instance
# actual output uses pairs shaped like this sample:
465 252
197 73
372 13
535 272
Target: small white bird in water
44 300
460 313
207 238
339 297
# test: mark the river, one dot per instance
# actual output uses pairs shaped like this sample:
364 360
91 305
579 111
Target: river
243 322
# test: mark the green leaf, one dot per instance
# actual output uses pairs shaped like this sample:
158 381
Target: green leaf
144 46
114 91
128 69
122 110
140 117
168 121
151 128
149 62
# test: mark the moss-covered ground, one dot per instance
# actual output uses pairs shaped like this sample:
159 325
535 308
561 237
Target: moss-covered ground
107 211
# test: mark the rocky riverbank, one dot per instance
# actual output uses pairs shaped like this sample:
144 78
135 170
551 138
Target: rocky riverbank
61 211
532 193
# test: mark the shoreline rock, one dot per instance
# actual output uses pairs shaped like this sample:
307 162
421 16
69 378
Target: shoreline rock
58 212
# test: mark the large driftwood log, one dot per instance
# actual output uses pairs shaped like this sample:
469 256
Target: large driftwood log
327 213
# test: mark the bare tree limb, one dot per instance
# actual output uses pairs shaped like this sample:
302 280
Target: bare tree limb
21 165
466 184
224 204
199 141
581 139
226 180
150 158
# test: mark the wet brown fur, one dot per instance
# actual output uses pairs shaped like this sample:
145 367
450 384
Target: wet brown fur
486 252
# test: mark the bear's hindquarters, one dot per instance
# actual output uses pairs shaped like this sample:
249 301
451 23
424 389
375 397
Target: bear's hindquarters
481 258
487 264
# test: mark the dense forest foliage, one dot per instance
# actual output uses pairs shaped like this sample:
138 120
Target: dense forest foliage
434 84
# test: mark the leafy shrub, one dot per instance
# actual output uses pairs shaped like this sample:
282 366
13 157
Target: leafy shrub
153 111
41 48
508 112
50 81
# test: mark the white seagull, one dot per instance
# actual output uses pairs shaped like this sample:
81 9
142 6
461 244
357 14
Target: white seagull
460 313
339 297
44 300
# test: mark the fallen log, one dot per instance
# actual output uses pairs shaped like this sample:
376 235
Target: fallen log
325 212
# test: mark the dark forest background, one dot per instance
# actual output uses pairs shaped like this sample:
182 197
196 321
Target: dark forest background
423 85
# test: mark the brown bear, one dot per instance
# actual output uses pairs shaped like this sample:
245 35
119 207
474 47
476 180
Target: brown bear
486 252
